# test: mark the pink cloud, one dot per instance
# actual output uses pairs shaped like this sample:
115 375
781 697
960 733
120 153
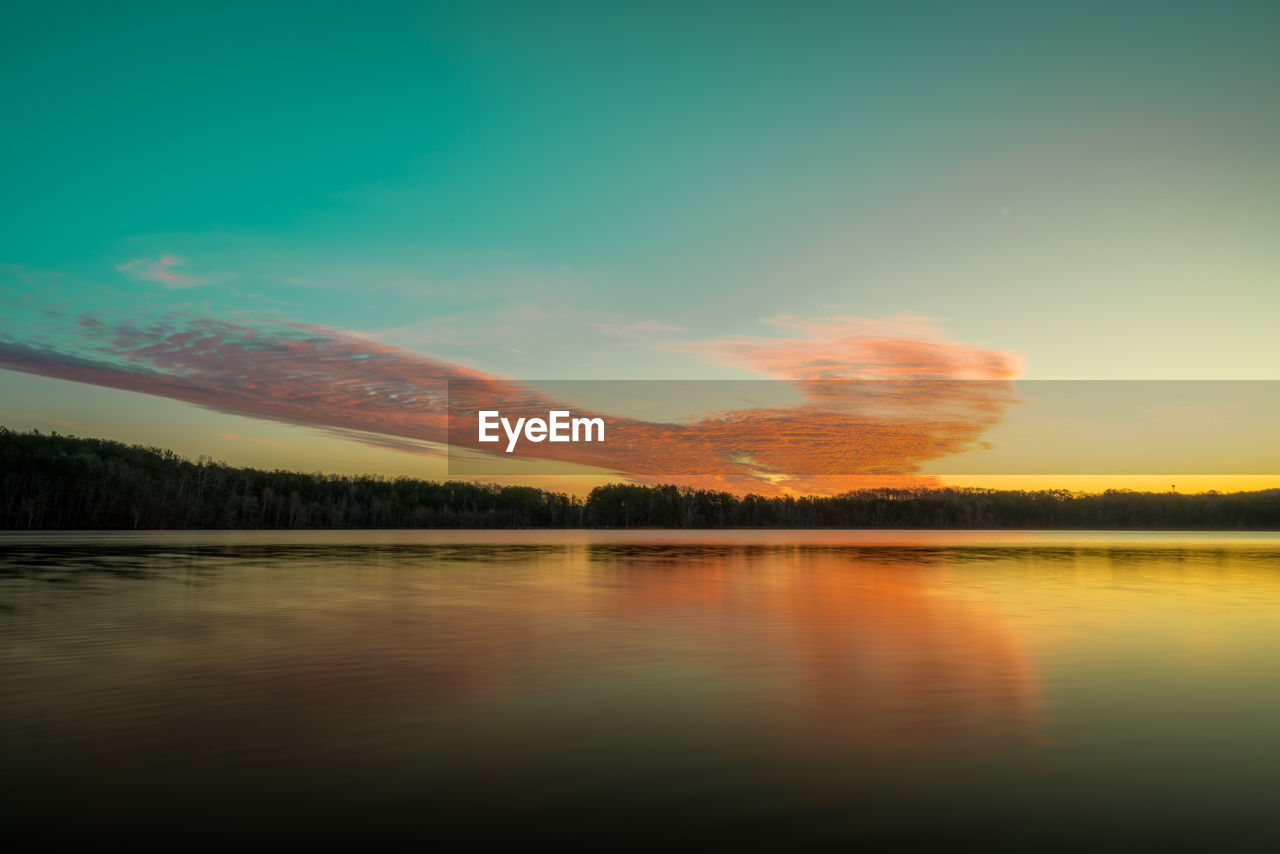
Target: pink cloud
158 270
874 401
854 348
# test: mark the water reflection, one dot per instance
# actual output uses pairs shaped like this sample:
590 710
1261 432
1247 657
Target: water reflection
863 653
768 683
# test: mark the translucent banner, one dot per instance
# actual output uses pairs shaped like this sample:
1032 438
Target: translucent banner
768 428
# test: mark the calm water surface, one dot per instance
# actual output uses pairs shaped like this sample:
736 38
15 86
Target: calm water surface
775 687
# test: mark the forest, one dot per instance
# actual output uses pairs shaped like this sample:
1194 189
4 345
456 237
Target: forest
50 481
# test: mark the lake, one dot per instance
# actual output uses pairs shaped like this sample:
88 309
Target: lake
615 687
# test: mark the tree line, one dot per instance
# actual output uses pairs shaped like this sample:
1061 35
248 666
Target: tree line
52 481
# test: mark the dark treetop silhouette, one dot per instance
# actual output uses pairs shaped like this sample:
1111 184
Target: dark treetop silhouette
64 482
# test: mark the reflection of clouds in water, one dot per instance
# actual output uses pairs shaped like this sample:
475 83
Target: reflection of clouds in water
862 655
855 650
261 645
890 666
753 681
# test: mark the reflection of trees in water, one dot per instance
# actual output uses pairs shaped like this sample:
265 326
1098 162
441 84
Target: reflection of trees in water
845 648
140 655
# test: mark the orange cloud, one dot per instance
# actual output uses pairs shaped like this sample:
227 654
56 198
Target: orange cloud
852 348
877 399
873 400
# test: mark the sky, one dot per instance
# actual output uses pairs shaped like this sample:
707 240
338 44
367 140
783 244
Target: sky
255 231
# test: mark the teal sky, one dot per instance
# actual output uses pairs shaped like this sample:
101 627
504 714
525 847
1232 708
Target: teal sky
558 190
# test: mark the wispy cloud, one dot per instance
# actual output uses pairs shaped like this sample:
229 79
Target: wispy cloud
850 348
640 330
836 435
159 270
